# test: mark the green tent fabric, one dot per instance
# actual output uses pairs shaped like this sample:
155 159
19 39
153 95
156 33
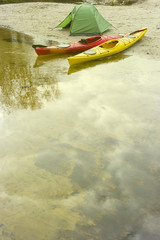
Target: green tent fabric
85 20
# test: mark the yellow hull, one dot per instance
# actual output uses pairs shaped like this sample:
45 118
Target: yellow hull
108 48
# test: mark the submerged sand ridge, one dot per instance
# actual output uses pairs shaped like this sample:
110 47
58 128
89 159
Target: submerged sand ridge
40 19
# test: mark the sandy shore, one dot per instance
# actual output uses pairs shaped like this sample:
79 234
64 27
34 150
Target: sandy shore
40 19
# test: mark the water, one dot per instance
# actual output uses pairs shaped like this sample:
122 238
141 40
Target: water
79 155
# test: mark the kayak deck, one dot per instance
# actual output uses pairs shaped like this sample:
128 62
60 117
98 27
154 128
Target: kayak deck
79 46
108 48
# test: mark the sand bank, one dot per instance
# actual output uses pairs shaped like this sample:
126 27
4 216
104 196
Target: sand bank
40 19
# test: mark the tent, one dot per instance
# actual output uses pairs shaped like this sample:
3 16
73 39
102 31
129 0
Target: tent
85 20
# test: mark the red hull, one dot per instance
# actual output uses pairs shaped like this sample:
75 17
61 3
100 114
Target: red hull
80 46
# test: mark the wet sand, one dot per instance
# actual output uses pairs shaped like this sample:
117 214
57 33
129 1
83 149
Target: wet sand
40 19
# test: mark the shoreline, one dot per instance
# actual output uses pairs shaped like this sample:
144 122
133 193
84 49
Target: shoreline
39 19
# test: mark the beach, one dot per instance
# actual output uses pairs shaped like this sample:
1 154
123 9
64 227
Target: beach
39 20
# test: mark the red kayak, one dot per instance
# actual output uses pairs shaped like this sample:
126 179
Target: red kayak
80 46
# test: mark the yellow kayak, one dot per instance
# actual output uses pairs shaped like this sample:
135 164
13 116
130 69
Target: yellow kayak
108 48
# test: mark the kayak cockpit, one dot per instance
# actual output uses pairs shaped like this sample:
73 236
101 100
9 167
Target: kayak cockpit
111 44
90 40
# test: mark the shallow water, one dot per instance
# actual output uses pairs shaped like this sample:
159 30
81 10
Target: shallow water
79 155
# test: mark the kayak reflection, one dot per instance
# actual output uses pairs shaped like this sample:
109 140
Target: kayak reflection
42 60
79 67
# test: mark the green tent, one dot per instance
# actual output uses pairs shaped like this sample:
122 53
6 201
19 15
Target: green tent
85 20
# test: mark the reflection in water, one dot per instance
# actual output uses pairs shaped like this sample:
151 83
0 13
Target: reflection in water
79 67
10 36
42 60
21 87
85 166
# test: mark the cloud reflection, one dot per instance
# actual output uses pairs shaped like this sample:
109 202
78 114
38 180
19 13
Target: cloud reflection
89 168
